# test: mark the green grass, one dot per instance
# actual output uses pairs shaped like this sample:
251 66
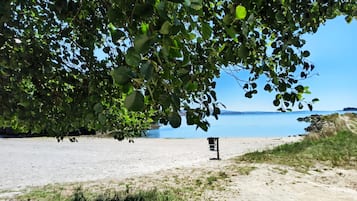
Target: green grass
211 180
82 195
245 170
338 150
178 187
44 193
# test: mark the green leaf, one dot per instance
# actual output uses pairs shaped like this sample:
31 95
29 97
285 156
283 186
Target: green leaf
241 12
248 94
89 117
177 1
106 50
144 27
216 112
301 106
174 119
231 33
165 28
132 57
305 53
214 95
190 117
165 101
315 100
243 52
134 101
190 36
299 88
310 107
280 18
267 87
254 85
348 19
98 108
24 103
227 19
251 19
203 125
121 75
307 90
102 119
206 31
117 35
276 102
196 4
146 70
282 87
141 43
191 86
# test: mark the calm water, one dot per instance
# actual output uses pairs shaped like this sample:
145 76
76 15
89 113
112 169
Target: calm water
249 124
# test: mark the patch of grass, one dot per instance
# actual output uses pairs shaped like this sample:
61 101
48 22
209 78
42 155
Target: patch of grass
216 177
198 182
211 179
43 194
351 115
245 170
222 175
177 187
280 170
82 195
338 150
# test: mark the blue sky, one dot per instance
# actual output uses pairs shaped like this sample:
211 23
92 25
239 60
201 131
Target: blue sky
333 52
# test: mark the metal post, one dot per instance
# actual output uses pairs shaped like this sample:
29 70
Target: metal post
218 149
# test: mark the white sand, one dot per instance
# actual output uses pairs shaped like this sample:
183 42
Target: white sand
272 183
41 161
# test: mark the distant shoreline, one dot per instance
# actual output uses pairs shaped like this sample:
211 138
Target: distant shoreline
230 112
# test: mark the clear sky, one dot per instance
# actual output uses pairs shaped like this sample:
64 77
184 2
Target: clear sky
333 52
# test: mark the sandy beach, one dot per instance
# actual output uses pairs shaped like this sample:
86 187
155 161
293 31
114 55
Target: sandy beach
39 161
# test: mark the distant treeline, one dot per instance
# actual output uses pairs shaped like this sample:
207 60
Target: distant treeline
349 109
11 133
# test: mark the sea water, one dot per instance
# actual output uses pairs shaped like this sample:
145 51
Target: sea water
245 124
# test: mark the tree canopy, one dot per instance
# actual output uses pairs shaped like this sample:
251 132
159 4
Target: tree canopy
120 65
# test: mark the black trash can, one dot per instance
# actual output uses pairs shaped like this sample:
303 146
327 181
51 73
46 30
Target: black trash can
214 145
212 142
